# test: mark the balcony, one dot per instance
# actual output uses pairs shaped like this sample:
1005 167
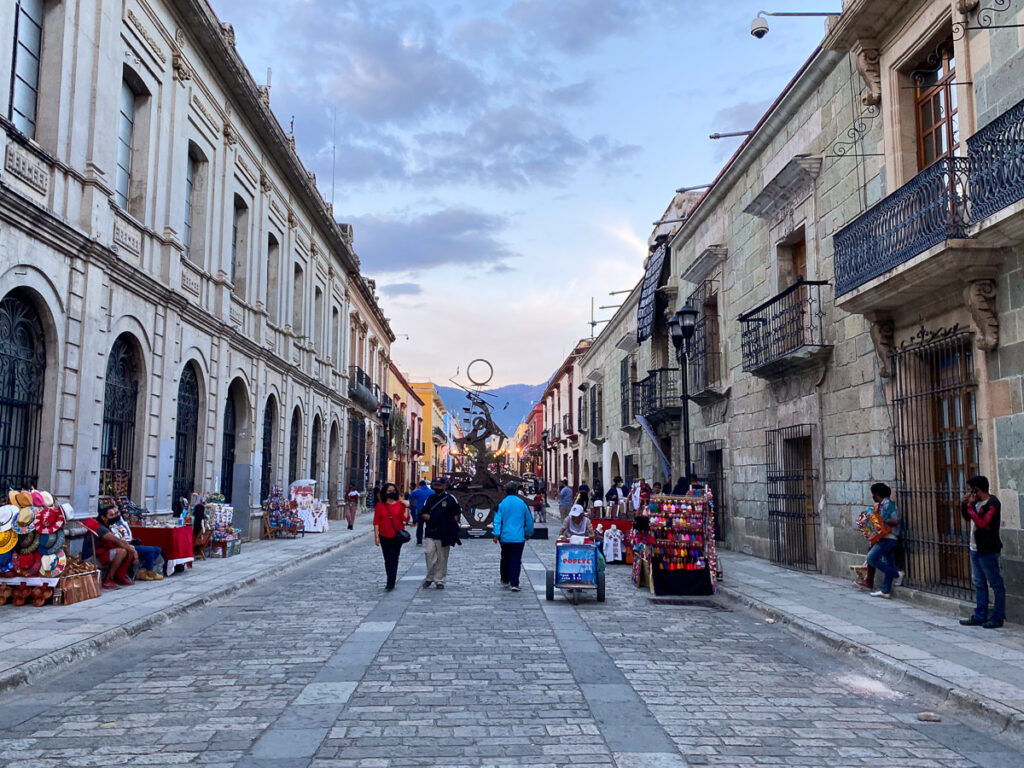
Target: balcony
785 334
566 424
657 397
360 389
439 436
947 225
704 359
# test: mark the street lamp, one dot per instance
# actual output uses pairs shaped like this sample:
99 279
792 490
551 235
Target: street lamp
385 420
681 328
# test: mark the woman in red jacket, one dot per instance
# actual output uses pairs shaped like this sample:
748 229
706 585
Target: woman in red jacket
389 520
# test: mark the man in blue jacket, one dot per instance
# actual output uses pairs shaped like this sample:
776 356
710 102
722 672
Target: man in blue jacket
513 525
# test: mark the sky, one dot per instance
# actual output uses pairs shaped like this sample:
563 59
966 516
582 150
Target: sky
502 161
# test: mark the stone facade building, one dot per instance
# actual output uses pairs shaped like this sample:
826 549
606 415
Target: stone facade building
176 298
560 437
405 445
856 268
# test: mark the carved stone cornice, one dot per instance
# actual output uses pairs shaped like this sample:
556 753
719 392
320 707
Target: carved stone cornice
265 183
705 264
966 6
228 33
883 336
146 35
792 184
870 69
182 71
980 300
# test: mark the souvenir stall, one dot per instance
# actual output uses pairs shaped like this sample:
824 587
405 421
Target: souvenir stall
226 539
281 515
674 546
312 511
34 566
621 524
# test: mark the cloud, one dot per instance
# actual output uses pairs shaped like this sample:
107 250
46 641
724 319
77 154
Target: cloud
576 26
402 289
738 117
402 242
572 95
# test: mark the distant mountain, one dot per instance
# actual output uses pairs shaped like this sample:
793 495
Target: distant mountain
520 399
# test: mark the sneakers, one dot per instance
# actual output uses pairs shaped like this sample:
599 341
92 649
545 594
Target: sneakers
516 589
883 595
974 621
898 581
993 624
439 586
427 583
505 584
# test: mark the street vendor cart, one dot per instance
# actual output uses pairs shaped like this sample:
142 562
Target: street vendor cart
576 570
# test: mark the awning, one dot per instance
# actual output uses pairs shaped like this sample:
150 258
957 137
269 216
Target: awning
646 307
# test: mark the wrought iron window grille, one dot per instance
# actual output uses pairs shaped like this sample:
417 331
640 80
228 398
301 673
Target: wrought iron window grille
22 378
792 518
704 348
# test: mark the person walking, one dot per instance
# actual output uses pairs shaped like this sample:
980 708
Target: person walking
416 501
351 505
389 520
513 525
439 517
881 554
583 495
540 508
984 512
564 498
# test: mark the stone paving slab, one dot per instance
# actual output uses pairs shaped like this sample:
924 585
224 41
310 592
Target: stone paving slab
41 639
978 669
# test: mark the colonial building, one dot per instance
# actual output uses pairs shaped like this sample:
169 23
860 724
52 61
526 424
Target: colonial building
405 432
175 295
560 438
436 438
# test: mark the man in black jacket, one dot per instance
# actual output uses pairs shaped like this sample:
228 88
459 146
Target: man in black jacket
441 515
983 511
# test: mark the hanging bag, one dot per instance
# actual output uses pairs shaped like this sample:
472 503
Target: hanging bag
402 536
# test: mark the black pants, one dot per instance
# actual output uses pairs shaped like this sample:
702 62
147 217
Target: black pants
511 562
419 528
391 549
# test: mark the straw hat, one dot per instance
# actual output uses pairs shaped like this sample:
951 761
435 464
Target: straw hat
28 542
53 565
23 498
25 520
47 498
8 541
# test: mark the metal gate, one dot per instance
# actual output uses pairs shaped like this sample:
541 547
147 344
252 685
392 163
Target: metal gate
269 424
792 520
936 440
186 425
22 376
314 450
293 447
710 470
227 462
120 396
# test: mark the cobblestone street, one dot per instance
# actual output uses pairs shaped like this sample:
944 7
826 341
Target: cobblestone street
322 668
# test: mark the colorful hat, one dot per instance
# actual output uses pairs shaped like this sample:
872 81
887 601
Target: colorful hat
47 499
68 510
7 514
28 542
49 519
53 565
28 563
8 541
6 562
37 498
49 543
23 499
23 523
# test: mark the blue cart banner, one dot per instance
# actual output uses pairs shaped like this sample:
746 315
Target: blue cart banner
576 564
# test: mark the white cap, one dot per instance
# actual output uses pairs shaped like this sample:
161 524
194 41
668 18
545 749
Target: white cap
576 511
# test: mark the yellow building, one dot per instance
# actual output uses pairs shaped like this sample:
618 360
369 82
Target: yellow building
436 440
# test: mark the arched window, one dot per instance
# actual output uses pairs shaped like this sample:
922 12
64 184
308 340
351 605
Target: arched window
298 300
120 401
318 321
22 375
185 436
240 247
293 446
227 461
194 227
273 279
269 425
314 450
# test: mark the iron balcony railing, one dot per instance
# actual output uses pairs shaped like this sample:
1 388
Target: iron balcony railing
938 204
567 423
656 397
439 435
783 325
704 355
360 388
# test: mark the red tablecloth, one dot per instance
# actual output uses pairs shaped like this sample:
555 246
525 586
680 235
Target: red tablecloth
176 543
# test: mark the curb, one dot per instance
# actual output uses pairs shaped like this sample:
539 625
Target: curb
50 662
1006 720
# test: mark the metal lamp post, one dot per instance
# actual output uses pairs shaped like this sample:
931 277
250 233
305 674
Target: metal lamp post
385 419
681 328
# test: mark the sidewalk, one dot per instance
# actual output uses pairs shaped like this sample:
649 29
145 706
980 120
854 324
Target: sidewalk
978 671
37 640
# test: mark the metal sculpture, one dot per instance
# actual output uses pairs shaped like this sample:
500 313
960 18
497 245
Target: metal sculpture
479 484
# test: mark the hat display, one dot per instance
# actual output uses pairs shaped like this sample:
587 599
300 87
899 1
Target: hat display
28 563
53 565
28 542
49 519
12 498
47 498
8 541
23 523
7 514
37 499
49 543
68 510
23 498
576 511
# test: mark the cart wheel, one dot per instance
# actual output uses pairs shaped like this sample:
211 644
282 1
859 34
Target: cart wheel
600 587
549 585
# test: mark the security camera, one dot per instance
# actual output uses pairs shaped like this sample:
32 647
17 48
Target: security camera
759 27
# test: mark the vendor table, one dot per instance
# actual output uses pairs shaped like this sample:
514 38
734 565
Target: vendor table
175 543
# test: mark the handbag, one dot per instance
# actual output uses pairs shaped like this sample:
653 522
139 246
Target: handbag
402 536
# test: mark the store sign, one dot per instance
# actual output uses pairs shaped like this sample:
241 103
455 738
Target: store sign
366 471
577 564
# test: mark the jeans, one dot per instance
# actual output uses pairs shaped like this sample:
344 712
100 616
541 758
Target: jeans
985 574
148 556
511 562
391 549
881 556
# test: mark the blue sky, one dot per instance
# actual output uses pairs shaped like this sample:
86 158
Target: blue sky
502 161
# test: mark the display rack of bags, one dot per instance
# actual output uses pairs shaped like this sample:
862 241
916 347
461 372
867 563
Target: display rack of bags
674 546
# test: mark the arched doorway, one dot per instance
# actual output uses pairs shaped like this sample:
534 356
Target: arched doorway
267 467
616 469
295 439
227 458
186 428
314 450
333 467
236 453
22 378
120 411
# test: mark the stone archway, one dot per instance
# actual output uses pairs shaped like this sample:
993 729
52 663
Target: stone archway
334 467
236 452
616 467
